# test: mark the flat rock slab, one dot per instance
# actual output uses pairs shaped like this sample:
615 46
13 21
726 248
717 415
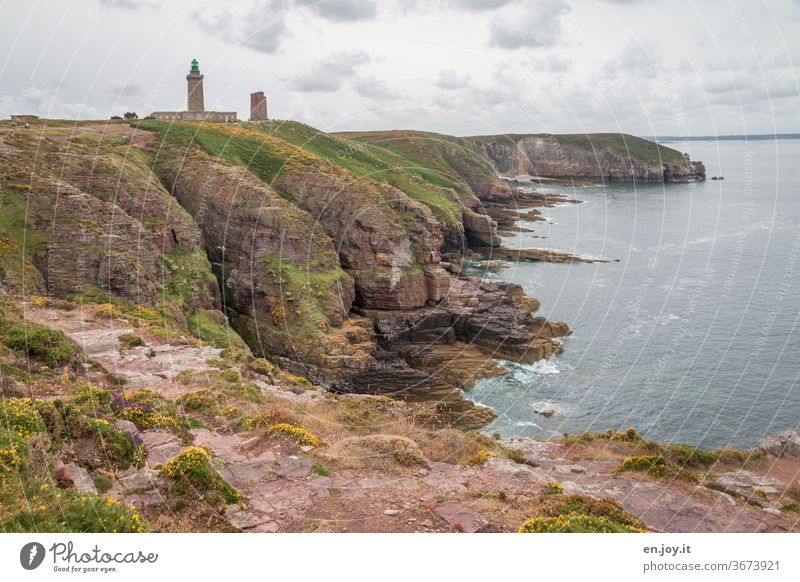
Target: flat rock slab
248 474
160 446
461 518
748 480
139 481
99 339
293 467
248 520
224 446
569 469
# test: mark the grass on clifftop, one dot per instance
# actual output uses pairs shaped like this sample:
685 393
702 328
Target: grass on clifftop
272 150
421 182
622 144
444 159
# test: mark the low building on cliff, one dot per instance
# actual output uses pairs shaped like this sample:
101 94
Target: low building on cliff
195 103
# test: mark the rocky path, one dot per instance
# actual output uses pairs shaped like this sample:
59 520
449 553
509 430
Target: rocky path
283 491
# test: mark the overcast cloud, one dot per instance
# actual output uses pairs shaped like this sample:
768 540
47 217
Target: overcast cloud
455 66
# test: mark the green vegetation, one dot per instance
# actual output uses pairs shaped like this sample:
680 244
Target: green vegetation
299 434
655 465
19 416
320 470
627 146
211 326
204 401
20 241
419 180
302 309
553 488
192 473
103 482
47 508
188 277
30 500
574 523
444 160
32 340
266 157
608 508
146 409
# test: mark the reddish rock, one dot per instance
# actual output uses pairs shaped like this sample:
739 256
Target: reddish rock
74 476
461 518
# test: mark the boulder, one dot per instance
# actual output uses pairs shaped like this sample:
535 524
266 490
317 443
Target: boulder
130 429
74 476
545 409
786 443
480 229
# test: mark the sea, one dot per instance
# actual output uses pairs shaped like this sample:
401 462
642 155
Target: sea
690 334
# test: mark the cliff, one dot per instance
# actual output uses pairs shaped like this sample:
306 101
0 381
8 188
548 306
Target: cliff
321 253
594 157
199 326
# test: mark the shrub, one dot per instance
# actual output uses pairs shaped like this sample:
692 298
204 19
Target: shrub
108 311
253 393
13 453
19 415
235 354
378 451
91 398
200 401
481 457
688 456
40 342
516 456
120 449
58 511
655 465
262 366
146 409
300 435
574 523
320 470
553 488
555 505
192 471
230 375
103 482
272 416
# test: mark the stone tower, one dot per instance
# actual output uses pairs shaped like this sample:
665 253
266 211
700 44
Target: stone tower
194 81
258 106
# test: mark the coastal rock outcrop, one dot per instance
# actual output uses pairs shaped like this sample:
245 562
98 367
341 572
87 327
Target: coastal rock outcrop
596 157
786 443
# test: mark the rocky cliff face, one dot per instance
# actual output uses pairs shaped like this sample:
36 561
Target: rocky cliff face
86 216
332 268
604 157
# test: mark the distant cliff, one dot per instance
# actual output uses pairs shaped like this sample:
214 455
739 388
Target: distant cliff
608 157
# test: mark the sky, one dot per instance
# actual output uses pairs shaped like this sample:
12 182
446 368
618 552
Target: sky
462 67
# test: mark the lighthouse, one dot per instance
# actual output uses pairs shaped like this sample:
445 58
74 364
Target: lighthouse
195 106
194 82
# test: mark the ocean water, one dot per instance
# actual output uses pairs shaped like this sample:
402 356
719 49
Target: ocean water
693 335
